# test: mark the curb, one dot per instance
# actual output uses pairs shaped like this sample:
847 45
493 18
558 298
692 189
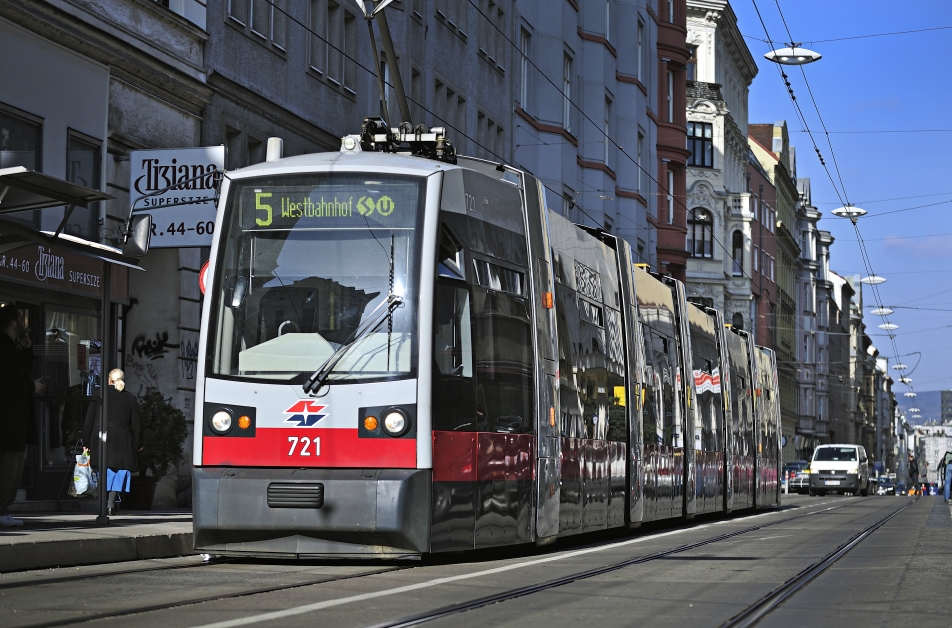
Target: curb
27 555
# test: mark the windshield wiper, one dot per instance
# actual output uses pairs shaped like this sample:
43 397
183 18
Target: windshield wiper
384 310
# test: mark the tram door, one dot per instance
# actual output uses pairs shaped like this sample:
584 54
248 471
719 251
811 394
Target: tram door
548 442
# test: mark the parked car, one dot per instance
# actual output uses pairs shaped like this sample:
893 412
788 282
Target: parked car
886 487
900 488
800 483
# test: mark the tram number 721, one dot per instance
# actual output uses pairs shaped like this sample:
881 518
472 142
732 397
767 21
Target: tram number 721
305 443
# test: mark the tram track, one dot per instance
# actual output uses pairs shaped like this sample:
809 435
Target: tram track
454 609
752 615
27 582
746 618
71 621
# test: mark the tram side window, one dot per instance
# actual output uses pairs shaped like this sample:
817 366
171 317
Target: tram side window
454 389
666 430
504 362
650 408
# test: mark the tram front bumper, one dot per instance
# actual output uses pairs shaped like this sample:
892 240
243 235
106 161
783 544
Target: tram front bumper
366 513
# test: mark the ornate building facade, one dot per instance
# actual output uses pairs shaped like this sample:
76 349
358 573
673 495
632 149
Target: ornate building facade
719 207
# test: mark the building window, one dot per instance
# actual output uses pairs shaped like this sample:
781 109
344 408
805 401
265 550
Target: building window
692 63
567 93
19 142
755 258
640 52
84 167
489 135
737 253
332 51
568 196
266 20
450 109
608 20
737 321
670 96
670 197
671 11
608 115
454 14
700 233
701 144
642 170
524 69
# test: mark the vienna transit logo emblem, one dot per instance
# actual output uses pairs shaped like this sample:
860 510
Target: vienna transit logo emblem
305 413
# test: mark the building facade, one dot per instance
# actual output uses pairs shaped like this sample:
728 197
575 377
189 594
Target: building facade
771 145
806 302
591 115
825 308
719 208
92 82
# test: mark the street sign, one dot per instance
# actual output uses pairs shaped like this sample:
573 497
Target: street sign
177 187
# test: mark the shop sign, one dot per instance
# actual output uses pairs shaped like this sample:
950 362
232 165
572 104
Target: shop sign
184 214
50 266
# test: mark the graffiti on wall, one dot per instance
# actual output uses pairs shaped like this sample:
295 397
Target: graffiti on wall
153 349
188 358
143 371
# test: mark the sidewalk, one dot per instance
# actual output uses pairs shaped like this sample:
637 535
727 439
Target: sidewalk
68 539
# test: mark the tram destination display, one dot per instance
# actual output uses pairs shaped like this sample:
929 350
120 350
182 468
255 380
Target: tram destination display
336 202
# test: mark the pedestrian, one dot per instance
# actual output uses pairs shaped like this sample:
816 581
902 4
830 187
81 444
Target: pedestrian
17 419
948 474
124 436
913 474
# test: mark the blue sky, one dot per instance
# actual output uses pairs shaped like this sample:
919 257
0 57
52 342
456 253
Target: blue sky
889 83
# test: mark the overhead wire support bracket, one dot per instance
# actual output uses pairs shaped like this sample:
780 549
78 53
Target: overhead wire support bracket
377 12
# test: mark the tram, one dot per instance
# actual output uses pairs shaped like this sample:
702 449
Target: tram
410 353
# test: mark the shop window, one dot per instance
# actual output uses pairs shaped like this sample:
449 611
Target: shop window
83 167
69 361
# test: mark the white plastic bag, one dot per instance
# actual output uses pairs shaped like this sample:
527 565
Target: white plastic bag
84 480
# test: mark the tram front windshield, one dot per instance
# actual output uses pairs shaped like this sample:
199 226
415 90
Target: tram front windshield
305 262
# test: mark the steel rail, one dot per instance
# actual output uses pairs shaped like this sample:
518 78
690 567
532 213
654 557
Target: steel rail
82 619
119 572
426 616
759 609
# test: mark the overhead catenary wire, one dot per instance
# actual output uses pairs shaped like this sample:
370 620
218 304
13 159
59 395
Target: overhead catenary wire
841 191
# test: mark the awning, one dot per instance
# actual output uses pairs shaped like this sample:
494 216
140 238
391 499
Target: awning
22 189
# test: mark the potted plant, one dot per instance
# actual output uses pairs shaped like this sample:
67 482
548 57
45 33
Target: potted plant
164 431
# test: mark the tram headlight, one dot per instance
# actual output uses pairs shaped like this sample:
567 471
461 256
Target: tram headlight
221 422
395 423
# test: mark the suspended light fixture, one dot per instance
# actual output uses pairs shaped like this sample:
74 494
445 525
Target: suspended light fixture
793 56
889 326
909 394
915 410
849 211
873 280
882 311
900 367
905 380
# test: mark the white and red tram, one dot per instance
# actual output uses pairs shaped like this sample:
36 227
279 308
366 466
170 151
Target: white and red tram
401 355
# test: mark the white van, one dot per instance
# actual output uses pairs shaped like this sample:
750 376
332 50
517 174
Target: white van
840 469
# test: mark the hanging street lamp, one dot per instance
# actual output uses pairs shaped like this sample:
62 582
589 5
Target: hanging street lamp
793 56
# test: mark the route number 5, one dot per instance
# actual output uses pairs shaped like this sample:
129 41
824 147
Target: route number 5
305 443
259 206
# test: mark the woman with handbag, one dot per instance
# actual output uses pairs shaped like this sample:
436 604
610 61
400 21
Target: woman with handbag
124 436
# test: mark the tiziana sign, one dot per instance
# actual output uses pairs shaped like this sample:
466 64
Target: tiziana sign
184 214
